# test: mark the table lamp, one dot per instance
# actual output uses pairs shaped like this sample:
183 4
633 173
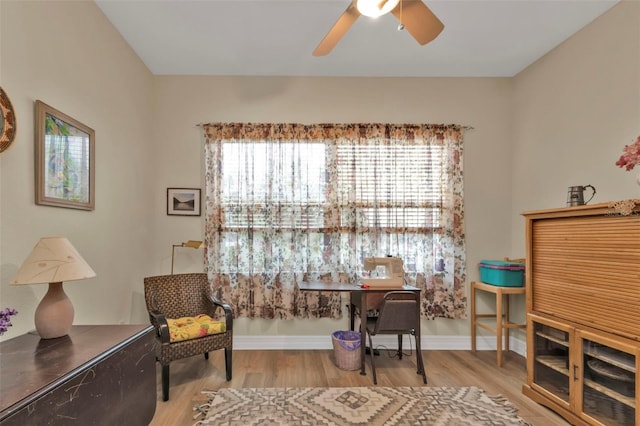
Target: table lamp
191 243
53 260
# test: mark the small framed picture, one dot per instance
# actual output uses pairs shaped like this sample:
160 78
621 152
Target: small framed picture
183 201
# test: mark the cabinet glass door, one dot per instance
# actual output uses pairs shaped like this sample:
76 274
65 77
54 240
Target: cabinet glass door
609 391
551 359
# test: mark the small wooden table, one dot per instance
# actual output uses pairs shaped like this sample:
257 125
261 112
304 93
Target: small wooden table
358 298
97 374
501 325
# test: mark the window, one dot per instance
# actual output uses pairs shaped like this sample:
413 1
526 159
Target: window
257 176
289 201
393 187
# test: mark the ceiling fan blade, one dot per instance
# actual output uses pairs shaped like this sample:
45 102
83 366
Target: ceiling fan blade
419 20
338 30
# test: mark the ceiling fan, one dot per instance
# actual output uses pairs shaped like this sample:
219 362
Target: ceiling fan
413 15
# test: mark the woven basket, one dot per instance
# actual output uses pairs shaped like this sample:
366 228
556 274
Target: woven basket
346 349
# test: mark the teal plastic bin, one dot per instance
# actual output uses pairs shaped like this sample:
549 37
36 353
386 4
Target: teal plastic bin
500 273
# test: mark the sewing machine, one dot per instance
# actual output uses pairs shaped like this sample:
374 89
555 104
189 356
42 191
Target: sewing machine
383 272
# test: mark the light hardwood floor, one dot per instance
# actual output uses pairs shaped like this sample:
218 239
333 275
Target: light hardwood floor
315 368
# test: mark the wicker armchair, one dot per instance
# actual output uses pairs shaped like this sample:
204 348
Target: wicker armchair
185 295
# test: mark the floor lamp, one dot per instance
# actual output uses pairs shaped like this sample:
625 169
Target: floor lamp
191 244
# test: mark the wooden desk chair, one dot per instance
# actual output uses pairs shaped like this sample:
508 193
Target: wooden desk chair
502 322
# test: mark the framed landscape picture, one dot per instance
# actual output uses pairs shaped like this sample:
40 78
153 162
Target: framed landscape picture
183 201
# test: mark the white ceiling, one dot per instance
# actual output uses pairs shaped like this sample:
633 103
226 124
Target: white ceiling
481 38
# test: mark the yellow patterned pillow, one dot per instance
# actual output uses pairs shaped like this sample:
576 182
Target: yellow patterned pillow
192 327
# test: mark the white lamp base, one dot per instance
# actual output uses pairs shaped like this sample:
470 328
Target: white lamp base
54 314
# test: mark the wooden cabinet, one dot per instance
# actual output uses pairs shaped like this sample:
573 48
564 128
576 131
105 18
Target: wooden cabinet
96 375
583 313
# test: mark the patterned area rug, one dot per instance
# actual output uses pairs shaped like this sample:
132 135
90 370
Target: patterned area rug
356 406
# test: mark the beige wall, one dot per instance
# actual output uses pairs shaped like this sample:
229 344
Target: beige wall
561 122
576 109
481 103
69 56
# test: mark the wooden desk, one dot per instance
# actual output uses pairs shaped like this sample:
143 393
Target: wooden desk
98 374
358 298
503 323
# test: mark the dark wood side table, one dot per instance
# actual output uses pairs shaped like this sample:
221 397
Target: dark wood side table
96 375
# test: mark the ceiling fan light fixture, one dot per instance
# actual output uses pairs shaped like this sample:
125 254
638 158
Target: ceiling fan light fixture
375 8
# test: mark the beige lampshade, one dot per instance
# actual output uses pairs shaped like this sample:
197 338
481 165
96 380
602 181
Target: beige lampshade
52 260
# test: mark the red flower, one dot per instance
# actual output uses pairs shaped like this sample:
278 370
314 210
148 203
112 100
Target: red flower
631 156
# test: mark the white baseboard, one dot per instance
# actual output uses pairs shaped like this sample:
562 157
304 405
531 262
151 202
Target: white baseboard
462 343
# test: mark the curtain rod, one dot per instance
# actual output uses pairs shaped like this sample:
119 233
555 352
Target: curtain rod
464 127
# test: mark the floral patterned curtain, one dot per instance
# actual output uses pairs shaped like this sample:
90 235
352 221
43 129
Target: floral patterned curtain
288 202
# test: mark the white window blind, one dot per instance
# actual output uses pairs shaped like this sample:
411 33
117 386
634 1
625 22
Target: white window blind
392 186
285 185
